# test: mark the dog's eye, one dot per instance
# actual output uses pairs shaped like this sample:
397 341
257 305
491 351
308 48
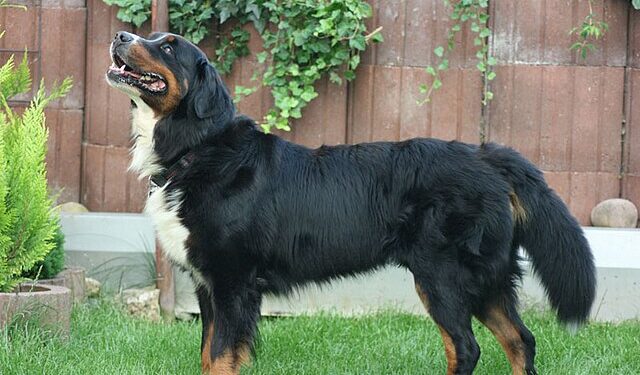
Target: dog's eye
167 49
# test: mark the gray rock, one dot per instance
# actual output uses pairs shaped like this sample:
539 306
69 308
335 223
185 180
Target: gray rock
615 213
92 287
143 303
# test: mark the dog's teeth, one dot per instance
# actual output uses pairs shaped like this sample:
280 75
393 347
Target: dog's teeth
123 66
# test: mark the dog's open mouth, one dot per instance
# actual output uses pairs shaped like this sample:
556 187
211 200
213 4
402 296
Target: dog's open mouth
119 71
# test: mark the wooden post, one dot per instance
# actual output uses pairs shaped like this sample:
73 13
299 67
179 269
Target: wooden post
159 15
164 273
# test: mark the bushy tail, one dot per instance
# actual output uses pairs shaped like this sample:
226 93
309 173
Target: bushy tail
551 236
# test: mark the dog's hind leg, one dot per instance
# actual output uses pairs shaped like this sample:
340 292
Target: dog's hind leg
448 310
516 340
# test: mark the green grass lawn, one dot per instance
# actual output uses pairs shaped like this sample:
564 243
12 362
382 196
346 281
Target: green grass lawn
106 341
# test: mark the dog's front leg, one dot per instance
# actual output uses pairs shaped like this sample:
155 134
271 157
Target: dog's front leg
229 324
206 316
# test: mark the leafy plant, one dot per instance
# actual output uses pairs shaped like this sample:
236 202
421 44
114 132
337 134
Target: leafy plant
135 12
473 12
52 263
303 40
313 38
27 225
636 4
590 29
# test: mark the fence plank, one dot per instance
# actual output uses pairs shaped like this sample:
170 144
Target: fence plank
537 32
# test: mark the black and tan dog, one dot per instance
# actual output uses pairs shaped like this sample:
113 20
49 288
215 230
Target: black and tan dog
248 213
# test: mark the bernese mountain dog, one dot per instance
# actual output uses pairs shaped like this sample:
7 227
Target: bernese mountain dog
248 213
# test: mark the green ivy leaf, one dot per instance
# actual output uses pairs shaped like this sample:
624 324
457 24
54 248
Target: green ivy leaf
444 65
349 75
358 43
308 96
379 38
335 78
484 33
439 51
262 56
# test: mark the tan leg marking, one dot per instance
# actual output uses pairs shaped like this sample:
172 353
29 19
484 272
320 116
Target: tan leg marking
423 297
509 338
230 362
449 347
517 209
206 350
450 351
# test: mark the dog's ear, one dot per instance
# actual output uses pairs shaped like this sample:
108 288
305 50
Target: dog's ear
211 96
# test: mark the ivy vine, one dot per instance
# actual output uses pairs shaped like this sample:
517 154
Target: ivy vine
303 41
473 12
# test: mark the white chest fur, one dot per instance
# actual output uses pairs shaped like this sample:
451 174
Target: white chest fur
144 160
163 209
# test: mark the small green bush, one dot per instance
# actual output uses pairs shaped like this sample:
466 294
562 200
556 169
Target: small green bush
27 222
53 263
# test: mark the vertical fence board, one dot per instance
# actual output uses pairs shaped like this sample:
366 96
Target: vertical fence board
631 181
361 105
556 123
63 52
107 113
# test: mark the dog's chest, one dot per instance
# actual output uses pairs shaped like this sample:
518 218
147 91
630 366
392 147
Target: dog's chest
163 208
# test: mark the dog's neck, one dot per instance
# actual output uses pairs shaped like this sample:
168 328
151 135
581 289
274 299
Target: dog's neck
161 141
144 160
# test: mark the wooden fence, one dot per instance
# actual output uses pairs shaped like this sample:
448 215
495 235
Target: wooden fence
578 120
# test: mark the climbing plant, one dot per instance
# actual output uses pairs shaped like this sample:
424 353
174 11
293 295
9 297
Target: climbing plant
303 41
590 30
474 13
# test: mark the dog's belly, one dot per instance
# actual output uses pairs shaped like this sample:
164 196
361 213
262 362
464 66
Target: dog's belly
163 209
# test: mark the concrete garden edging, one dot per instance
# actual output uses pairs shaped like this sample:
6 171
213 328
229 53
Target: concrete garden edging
72 278
616 251
48 305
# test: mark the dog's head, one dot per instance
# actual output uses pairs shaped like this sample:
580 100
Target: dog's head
169 74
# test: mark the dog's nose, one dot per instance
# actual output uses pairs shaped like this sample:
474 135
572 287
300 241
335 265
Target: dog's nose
123 37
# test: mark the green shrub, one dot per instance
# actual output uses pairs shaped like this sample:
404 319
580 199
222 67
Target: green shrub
53 263
27 222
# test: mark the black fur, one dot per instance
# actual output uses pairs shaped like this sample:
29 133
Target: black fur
266 215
